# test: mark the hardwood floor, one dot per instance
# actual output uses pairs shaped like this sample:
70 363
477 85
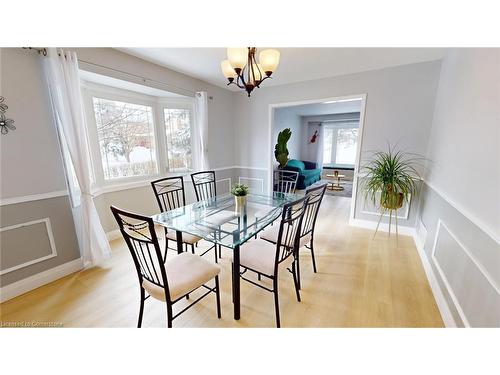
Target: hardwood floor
360 283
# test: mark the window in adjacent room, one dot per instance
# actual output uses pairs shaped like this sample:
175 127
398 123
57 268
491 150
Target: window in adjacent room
339 145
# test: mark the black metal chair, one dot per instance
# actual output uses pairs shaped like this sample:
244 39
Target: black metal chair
285 181
204 184
265 258
315 195
169 193
205 187
186 272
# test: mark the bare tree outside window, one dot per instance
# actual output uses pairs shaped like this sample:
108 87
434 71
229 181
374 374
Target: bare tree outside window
126 138
346 146
178 137
339 146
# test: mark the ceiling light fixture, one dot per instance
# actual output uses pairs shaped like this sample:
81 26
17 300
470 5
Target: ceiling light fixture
242 69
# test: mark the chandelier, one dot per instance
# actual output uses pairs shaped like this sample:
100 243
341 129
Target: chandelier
242 69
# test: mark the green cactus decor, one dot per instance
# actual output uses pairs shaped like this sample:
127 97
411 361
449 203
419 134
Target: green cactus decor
280 150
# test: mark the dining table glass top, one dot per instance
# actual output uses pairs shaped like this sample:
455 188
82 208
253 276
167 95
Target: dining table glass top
219 220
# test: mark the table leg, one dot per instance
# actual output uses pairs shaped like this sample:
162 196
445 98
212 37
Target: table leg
178 235
236 281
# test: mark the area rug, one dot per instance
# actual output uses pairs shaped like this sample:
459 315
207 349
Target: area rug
346 184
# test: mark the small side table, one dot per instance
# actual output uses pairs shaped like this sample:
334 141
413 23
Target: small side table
331 185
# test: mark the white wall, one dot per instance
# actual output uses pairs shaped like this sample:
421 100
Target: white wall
399 109
288 118
459 219
464 144
400 103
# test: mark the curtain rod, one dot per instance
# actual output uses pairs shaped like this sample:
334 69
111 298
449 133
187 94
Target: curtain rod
43 51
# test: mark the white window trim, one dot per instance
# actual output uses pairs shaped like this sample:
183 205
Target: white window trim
90 90
337 126
167 103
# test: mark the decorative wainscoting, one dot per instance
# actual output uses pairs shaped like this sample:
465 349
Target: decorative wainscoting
49 243
461 260
222 188
453 262
254 187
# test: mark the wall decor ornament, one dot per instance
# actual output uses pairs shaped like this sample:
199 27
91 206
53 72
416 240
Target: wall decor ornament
314 136
6 124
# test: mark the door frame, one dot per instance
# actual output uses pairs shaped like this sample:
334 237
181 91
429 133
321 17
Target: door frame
270 162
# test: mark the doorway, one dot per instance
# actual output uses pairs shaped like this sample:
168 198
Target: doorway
327 134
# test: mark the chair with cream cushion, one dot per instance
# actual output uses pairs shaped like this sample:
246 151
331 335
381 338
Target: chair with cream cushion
169 193
205 187
315 195
285 181
168 281
266 259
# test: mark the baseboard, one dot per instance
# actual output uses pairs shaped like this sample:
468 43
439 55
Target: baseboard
113 235
443 307
384 227
25 285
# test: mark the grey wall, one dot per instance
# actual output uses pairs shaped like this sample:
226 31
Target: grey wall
142 200
460 208
399 109
31 164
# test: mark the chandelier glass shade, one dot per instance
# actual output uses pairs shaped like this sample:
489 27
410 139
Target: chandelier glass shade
242 69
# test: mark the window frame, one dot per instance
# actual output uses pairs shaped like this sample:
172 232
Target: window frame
92 90
336 126
176 103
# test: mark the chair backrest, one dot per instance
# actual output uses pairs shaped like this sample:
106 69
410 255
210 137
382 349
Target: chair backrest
289 231
315 195
169 193
204 185
285 181
139 233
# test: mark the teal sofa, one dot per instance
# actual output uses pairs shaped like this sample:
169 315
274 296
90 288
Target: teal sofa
309 172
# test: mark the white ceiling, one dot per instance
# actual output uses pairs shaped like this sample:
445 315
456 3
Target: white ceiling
296 64
318 109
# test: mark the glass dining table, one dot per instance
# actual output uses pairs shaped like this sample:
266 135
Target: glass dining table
220 221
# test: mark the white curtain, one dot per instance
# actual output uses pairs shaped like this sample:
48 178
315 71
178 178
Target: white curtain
200 151
315 149
61 70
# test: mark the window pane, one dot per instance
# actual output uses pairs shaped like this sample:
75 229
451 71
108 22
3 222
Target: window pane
327 145
126 138
346 146
178 133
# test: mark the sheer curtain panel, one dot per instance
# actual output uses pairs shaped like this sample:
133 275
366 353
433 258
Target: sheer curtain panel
201 133
61 70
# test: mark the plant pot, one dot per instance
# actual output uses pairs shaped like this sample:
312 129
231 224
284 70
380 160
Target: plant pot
240 201
392 201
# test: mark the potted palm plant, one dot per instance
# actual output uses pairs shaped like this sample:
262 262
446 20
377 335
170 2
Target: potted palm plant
394 176
280 149
240 193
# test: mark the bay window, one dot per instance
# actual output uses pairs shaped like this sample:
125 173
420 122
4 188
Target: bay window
125 133
137 137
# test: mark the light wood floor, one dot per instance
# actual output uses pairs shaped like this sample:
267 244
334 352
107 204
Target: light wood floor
360 283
